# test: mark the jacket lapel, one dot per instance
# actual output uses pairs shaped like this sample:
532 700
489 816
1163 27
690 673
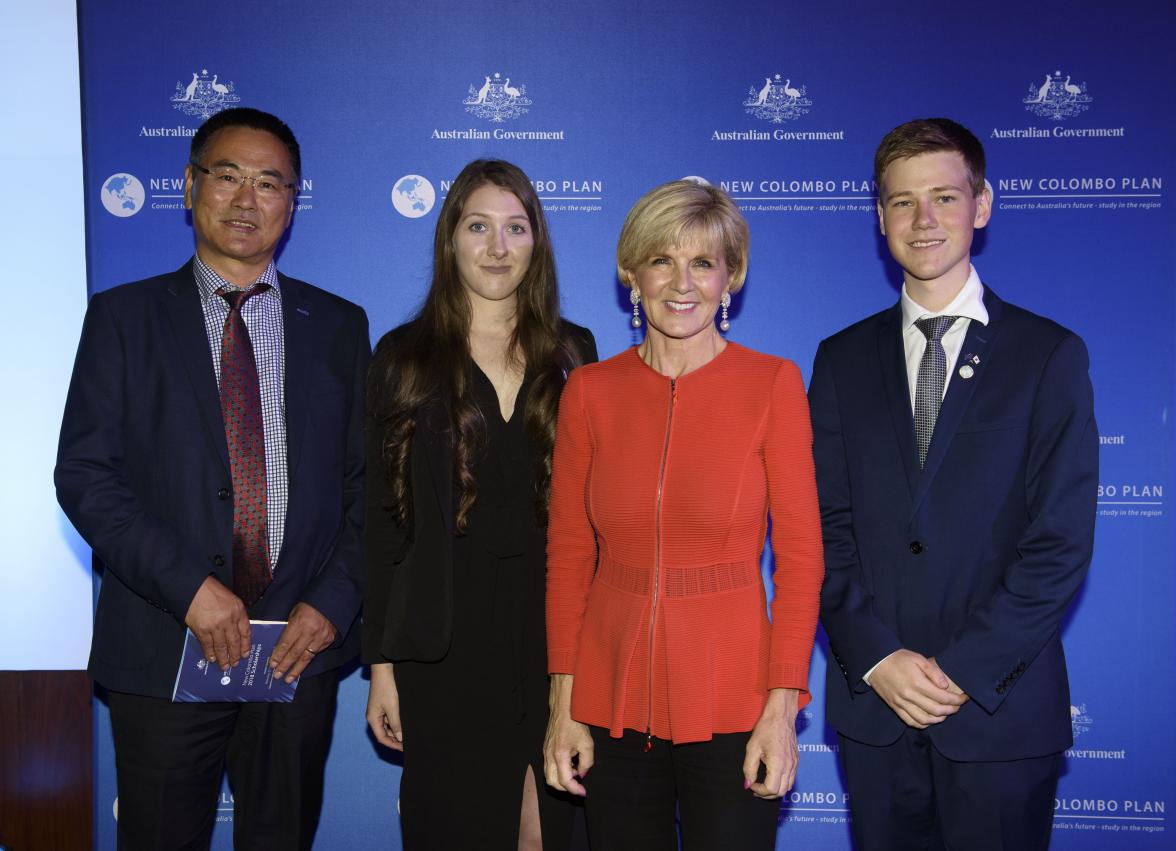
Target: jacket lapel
298 329
184 313
892 358
977 344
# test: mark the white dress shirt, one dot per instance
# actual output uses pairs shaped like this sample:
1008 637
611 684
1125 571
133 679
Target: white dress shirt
968 305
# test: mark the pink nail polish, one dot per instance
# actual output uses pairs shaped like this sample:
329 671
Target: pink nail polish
746 784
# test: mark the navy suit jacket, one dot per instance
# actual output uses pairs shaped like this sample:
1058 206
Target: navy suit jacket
974 558
143 471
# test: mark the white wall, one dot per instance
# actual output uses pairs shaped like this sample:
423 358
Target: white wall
45 585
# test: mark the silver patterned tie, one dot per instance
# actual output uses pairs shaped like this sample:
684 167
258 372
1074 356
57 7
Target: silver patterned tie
930 383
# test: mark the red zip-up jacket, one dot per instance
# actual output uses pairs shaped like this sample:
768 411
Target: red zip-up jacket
660 497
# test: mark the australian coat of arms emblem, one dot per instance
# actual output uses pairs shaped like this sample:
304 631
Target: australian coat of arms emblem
203 97
1080 721
497 100
1057 98
777 101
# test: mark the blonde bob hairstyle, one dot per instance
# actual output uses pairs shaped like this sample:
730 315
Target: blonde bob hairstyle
678 213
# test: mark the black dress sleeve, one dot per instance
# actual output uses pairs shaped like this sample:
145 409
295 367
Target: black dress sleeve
384 535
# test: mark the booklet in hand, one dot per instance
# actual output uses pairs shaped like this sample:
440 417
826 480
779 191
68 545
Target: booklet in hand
251 680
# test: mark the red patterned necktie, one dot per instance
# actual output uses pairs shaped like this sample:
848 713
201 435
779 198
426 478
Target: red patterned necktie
240 396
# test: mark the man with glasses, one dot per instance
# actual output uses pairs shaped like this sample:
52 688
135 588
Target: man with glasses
211 454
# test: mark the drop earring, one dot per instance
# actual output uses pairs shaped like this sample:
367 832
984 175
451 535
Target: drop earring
635 299
725 302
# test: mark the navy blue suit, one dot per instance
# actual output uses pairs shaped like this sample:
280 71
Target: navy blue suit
973 559
143 471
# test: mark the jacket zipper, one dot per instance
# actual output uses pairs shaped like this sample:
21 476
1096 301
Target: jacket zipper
661 477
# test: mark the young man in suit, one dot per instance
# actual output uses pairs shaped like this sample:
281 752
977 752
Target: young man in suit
211 455
957 464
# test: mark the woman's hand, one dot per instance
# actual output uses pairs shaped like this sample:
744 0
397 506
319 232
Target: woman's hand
566 740
383 708
773 742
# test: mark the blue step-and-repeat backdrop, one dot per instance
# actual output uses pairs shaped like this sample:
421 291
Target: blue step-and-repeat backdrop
782 104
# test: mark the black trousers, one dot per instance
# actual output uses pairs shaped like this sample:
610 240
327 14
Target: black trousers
632 796
170 758
907 796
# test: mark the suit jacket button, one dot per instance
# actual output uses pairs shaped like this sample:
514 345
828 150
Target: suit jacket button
223 493
916 547
218 560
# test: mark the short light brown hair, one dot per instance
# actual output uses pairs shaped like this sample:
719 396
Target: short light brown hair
925 135
678 212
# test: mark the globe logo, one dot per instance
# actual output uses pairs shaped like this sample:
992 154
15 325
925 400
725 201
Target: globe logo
122 195
413 196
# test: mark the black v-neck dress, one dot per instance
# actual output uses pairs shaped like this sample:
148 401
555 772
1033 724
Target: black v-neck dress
475 720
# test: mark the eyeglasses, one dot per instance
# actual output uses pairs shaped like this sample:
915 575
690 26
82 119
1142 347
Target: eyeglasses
228 179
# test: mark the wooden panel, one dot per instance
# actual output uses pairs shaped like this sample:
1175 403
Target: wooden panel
46 758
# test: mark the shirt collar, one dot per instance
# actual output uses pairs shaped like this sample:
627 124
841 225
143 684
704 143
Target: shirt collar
969 303
208 281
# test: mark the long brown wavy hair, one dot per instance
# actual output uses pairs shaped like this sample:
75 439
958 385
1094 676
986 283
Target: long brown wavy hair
429 361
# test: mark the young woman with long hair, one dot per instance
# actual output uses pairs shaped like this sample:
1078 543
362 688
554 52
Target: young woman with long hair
461 421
